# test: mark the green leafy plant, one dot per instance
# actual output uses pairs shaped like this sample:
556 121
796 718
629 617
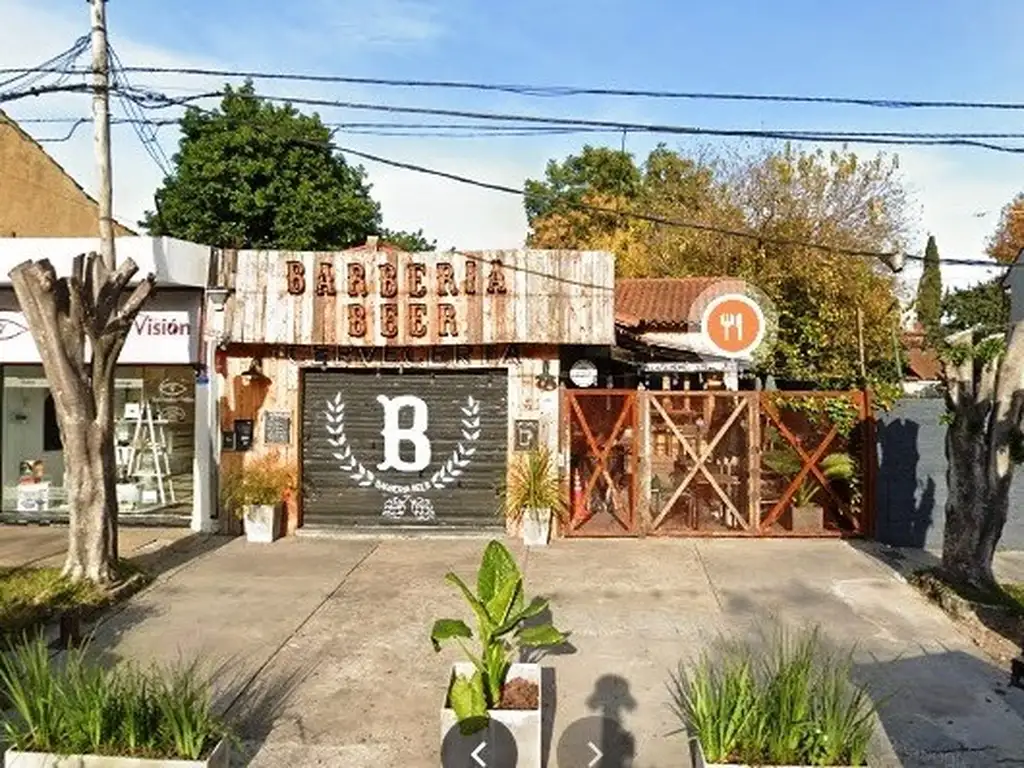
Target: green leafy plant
783 700
265 481
836 467
822 410
75 706
501 611
534 484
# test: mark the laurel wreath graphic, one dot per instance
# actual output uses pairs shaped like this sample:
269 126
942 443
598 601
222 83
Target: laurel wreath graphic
364 477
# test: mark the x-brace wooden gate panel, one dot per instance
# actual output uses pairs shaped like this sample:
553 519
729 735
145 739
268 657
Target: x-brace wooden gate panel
704 487
602 439
810 468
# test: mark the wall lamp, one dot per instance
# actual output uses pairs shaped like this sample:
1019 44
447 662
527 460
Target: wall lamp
218 297
546 382
254 372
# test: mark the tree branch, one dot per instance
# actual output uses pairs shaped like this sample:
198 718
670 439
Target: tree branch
111 289
124 318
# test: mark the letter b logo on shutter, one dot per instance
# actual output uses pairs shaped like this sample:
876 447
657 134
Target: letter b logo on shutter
394 434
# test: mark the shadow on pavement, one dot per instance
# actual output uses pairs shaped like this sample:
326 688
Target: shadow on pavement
178 553
948 708
994 615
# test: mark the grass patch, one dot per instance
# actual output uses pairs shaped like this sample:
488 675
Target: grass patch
959 599
31 597
784 700
75 706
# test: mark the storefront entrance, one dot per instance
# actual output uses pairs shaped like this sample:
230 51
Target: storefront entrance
404 448
154 436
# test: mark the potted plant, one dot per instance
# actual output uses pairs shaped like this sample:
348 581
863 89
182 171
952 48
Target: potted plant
806 515
490 687
534 495
76 713
256 494
783 700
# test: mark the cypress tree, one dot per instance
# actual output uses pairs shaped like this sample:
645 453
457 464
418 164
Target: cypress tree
929 293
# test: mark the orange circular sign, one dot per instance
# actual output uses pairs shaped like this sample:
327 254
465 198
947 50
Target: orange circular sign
734 324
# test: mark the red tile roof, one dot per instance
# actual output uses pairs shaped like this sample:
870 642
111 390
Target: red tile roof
662 303
922 360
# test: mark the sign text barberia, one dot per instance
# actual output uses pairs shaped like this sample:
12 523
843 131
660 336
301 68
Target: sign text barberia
414 284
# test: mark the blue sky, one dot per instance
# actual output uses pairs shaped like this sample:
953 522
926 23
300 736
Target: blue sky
940 49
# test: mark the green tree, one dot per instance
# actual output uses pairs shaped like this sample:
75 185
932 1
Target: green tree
985 306
255 175
929 293
835 199
410 242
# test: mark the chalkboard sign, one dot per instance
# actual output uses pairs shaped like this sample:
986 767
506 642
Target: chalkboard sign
227 440
277 427
243 434
527 434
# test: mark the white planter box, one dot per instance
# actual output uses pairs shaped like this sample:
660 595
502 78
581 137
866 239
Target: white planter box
218 758
262 522
697 753
536 527
524 725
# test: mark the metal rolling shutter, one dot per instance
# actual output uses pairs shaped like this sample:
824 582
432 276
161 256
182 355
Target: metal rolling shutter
343 448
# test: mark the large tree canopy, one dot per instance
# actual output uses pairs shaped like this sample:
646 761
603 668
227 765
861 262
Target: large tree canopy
985 307
255 175
834 199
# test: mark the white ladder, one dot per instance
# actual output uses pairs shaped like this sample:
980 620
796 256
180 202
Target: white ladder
154 441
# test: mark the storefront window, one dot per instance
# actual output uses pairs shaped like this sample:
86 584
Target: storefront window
154 440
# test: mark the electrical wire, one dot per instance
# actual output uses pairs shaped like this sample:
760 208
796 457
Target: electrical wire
144 129
155 100
485 129
561 91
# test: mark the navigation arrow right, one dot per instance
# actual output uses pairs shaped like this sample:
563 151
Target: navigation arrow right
598 754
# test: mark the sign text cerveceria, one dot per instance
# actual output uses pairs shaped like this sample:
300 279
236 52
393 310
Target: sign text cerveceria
412 282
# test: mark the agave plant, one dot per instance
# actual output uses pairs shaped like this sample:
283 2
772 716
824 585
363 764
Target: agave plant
534 484
501 611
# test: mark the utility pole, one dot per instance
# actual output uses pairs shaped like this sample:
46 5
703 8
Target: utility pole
101 128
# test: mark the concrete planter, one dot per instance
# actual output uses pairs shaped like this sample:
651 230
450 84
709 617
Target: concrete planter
699 761
262 522
536 527
808 519
524 725
219 757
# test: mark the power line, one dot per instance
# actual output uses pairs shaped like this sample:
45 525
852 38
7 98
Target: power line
560 91
543 130
753 236
149 99
156 100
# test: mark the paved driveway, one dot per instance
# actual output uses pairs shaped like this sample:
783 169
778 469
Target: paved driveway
323 651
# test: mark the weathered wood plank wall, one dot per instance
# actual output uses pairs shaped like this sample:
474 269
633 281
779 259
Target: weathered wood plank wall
368 298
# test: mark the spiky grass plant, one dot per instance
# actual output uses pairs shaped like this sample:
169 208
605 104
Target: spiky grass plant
787 700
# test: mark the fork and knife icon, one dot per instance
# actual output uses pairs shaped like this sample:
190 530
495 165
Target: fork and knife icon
730 321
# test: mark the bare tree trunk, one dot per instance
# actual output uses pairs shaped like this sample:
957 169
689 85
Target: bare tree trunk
80 324
985 396
966 554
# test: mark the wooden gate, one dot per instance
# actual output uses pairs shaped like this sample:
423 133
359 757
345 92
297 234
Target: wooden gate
601 428
700 460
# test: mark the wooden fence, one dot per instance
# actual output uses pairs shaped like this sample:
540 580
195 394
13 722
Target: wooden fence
719 463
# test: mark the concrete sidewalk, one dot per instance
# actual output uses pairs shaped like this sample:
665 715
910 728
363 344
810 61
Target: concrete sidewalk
327 641
45 545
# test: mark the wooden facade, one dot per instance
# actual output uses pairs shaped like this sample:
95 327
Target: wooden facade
310 322
368 298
